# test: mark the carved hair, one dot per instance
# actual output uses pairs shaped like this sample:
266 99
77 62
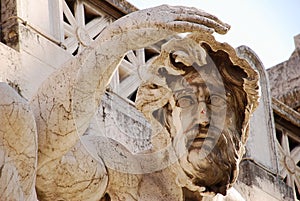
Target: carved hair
221 64
239 78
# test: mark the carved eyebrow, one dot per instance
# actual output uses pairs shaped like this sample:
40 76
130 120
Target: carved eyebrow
198 84
183 91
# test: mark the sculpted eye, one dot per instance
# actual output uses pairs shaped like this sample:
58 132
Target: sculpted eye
185 101
216 100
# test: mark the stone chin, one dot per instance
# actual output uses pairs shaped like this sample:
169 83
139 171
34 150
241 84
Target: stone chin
218 170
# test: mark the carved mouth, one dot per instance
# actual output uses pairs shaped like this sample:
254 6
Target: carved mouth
196 137
197 142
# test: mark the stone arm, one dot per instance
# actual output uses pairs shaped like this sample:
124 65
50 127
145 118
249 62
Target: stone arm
66 102
68 99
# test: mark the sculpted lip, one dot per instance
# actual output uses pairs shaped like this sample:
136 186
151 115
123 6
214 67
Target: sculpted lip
196 137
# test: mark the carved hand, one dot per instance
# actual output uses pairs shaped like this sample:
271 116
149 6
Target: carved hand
146 27
171 18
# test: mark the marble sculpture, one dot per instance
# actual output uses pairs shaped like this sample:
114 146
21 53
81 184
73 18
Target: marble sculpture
197 94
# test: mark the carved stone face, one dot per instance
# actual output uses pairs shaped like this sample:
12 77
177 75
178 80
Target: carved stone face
196 115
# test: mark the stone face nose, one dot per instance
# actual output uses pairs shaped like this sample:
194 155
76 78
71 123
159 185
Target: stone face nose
203 117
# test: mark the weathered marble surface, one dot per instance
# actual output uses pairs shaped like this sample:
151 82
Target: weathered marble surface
18 147
65 105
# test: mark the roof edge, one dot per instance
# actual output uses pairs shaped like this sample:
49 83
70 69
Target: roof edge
286 112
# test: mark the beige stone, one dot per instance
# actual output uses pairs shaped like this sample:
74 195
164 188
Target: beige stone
18 147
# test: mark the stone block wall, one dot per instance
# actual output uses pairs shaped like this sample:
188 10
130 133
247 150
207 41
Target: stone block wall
285 79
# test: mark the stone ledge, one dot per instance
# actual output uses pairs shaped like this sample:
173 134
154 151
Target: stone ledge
254 176
286 112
